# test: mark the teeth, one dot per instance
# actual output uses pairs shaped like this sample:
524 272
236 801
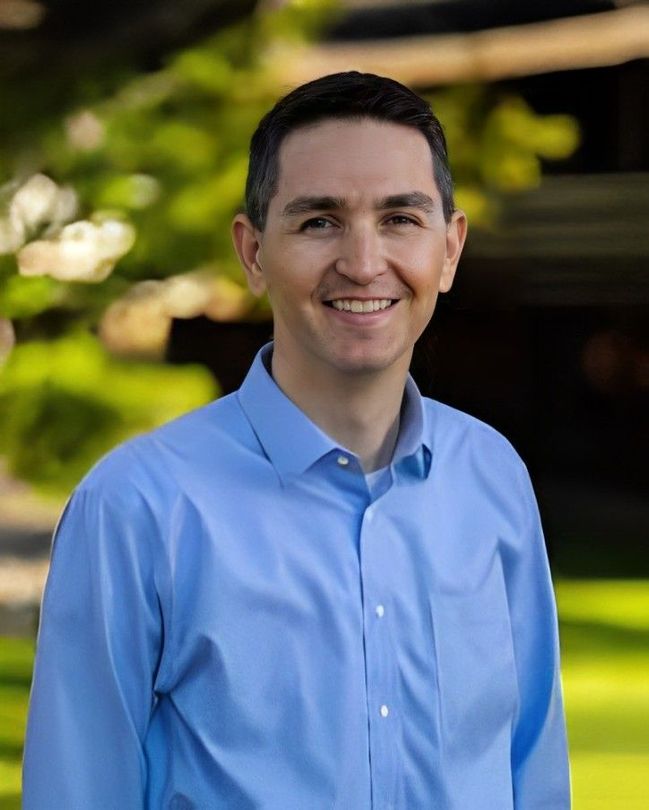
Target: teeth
354 305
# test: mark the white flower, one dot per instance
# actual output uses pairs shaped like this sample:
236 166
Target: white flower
229 301
32 203
187 295
83 251
114 237
201 292
85 131
20 14
12 235
41 201
64 207
137 324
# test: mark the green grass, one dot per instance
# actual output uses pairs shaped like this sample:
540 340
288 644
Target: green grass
16 657
605 641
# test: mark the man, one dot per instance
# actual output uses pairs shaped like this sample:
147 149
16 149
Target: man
323 591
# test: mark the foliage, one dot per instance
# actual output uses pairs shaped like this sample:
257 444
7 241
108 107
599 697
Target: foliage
497 145
65 402
162 155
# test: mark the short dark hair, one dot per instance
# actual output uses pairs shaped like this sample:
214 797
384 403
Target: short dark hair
350 95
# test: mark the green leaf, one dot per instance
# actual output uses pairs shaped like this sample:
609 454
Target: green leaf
66 402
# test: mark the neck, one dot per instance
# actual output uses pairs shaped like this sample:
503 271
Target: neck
360 411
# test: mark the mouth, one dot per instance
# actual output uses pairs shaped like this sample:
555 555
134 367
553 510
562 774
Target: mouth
361 305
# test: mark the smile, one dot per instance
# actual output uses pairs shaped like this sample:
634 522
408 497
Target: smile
357 305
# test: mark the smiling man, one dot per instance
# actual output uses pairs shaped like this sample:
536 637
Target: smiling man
353 249
323 592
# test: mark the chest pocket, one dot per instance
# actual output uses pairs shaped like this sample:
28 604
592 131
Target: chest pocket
476 668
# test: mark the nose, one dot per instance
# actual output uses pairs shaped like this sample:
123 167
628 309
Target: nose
360 258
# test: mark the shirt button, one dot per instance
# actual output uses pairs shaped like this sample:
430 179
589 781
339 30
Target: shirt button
380 610
343 461
384 710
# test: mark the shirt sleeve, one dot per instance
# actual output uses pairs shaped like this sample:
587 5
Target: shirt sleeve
540 771
98 653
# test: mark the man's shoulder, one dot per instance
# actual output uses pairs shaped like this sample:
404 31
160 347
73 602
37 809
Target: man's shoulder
457 433
151 462
479 464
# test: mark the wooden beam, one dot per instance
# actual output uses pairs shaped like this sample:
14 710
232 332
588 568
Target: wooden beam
593 40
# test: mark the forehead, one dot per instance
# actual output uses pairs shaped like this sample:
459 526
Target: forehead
356 158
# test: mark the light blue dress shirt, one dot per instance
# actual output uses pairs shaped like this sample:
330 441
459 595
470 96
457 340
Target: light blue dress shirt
231 621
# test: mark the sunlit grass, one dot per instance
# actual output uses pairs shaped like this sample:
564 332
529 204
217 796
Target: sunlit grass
16 656
623 603
605 641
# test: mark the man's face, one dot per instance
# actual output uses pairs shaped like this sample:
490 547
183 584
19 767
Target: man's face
355 247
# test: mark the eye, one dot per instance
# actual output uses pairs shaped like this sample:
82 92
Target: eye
401 219
316 224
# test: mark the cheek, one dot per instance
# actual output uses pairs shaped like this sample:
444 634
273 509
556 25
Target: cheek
424 281
288 291
421 260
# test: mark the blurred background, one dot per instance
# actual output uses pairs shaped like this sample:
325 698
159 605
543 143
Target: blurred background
124 130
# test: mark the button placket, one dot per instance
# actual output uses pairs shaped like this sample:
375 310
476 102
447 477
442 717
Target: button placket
380 656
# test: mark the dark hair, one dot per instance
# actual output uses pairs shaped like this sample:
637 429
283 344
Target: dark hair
340 95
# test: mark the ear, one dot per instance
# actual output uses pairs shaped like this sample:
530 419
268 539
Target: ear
455 236
246 240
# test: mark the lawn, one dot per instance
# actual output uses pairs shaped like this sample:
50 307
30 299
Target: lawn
605 640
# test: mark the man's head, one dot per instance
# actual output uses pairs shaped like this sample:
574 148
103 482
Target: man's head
350 95
351 227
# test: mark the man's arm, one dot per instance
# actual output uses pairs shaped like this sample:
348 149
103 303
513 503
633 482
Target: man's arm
98 652
539 748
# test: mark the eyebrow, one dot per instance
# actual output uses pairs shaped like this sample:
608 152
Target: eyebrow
305 205
410 199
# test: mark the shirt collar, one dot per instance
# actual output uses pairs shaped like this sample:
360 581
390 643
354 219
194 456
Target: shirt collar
293 443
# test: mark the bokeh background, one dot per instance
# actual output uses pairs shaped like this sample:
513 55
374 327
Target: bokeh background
124 129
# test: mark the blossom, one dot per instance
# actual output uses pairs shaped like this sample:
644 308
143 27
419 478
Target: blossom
139 323
229 301
187 295
37 204
41 201
85 131
19 15
82 251
12 235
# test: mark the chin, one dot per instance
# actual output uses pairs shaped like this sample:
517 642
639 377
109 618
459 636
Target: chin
364 362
